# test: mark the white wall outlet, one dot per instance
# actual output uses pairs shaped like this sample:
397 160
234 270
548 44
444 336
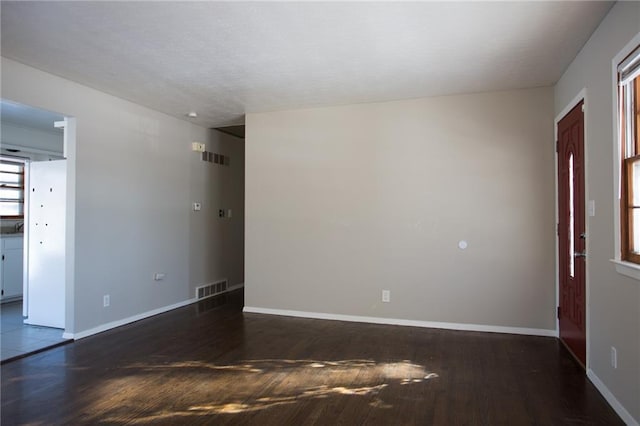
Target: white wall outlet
229 212
197 207
158 276
386 296
614 357
197 146
106 300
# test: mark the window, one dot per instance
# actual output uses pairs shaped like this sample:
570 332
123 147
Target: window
11 188
629 115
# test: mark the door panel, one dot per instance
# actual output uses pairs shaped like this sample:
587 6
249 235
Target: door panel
46 244
571 232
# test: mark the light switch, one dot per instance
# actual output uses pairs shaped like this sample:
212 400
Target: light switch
197 207
591 208
229 213
197 146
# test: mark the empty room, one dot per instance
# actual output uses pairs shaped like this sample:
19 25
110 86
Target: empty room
296 213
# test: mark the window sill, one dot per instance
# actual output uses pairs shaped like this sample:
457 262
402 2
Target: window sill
631 270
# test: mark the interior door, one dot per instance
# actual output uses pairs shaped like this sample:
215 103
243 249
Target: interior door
571 232
47 245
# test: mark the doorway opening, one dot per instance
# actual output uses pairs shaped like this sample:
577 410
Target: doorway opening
33 232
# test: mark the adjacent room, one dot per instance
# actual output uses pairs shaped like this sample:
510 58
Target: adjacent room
321 212
33 229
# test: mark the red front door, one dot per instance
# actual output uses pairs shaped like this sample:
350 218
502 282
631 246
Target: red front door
571 232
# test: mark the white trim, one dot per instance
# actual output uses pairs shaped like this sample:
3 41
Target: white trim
611 399
70 144
556 222
581 96
125 321
617 153
587 230
232 288
138 317
403 322
631 270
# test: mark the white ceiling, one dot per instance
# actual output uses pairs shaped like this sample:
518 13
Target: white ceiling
223 59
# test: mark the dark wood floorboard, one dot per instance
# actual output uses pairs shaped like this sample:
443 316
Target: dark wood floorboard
209 363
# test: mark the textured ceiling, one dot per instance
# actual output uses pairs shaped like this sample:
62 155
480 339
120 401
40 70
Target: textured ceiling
223 59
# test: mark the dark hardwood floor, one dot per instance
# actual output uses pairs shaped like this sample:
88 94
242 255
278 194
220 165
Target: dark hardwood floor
209 363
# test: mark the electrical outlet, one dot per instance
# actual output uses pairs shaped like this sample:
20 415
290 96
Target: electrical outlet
197 207
614 357
386 296
106 300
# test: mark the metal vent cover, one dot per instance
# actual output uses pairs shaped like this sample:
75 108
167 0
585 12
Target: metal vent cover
208 290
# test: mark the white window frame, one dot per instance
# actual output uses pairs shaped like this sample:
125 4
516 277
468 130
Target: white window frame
628 269
23 162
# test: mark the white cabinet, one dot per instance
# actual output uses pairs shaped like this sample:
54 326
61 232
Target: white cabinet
11 274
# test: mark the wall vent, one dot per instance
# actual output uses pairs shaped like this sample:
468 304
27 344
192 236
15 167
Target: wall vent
212 289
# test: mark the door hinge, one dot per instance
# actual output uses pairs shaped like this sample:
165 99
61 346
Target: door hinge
582 107
3 257
557 229
2 293
558 312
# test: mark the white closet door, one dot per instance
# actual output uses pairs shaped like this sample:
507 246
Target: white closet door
47 201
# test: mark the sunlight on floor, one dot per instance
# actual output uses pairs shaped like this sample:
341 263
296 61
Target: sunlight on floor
151 392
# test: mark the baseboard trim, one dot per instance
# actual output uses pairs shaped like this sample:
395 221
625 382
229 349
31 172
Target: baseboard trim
404 322
125 321
612 400
232 288
144 315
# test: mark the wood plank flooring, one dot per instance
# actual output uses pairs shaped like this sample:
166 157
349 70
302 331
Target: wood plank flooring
209 363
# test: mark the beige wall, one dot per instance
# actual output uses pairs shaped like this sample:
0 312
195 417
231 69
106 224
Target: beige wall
344 202
132 179
217 244
614 300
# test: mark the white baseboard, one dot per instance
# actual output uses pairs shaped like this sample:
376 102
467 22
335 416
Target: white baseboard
125 321
615 404
409 323
234 287
134 318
